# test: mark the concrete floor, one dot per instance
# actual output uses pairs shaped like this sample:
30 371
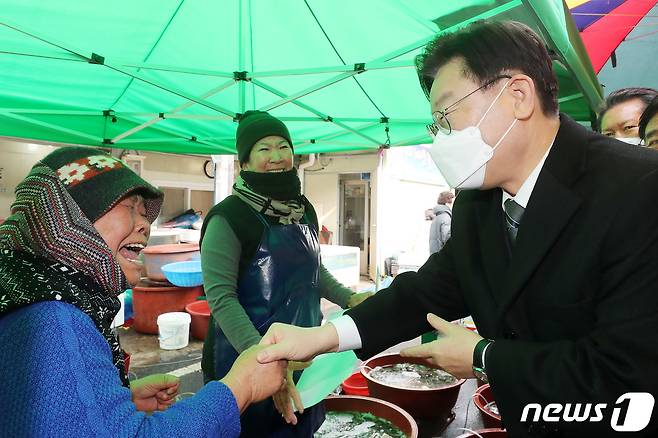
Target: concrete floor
147 358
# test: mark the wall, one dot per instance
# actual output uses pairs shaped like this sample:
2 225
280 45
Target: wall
17 158
161 169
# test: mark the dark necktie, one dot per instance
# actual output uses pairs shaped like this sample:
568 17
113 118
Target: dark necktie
513 215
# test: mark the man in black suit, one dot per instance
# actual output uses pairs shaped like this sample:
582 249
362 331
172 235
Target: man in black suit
554 250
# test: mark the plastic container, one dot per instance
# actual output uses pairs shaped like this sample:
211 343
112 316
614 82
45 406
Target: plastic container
184 274
482 397
150 302
200 313
164 237
421 403
356 384
174 330
157 256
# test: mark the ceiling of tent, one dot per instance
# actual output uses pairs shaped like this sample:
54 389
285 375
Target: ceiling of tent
174 75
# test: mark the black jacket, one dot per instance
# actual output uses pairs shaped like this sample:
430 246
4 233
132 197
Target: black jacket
573 307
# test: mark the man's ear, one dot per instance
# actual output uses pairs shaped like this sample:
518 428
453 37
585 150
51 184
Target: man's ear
522 90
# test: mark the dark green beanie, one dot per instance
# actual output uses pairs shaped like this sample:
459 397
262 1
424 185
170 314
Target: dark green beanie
97 181
253 126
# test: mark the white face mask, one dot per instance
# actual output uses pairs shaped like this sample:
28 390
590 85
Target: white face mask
461 156
635 141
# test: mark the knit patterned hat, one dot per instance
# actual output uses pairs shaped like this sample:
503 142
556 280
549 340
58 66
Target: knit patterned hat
255 125
97 181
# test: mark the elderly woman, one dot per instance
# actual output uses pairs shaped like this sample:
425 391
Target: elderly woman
79 222
261 264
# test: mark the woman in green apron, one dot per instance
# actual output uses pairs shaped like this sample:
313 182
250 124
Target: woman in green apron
261 264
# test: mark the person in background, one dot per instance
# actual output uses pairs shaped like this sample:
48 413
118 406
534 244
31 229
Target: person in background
78 224
440 229
649 125
260 258
620 115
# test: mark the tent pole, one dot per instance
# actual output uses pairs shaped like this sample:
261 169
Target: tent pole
224 176
173 111
51 112
177 134
175 69
32 121
380 65
242 22
308 90
314 111
422 42
570 97
94 58
413 141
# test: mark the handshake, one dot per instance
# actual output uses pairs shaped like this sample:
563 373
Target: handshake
262 370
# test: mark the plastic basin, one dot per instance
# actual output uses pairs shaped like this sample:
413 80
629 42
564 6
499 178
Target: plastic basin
150 302
356 384
159 255
200 313
482 396
485 433
184 274
421 403
381 408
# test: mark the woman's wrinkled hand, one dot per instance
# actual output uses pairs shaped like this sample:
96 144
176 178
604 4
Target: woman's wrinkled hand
155 392
288 395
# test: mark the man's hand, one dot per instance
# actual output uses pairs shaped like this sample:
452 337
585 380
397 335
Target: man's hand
251 381
155 392
452 352
357 299
284 399
287 342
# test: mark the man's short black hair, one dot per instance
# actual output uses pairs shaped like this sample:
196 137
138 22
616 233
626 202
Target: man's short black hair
622 95
650 111
489 49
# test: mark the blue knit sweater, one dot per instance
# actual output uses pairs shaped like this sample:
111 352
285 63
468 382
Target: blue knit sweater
58 379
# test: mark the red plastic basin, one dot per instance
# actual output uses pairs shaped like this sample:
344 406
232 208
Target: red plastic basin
150 302
356 384
420 403
481 397
200 312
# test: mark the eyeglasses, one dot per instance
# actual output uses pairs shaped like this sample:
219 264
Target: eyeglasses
440 117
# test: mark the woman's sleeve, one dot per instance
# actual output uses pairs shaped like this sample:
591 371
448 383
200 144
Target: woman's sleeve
332 289
73 389
220 258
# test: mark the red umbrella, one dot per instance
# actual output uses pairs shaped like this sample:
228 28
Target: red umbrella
603 24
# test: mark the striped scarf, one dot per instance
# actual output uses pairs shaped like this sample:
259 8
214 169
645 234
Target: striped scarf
50 251
288 212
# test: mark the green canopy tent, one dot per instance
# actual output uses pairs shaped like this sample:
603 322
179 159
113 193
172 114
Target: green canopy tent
175 75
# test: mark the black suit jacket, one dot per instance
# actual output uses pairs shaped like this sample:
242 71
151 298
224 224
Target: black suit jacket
573 307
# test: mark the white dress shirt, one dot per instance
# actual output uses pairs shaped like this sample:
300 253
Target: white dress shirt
522 197
348 334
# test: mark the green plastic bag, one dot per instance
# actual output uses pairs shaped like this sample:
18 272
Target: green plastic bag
324 375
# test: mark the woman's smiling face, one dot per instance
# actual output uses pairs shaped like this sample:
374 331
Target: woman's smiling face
270 154
125 229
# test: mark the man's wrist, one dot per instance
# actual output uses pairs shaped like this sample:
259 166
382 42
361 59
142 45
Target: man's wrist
329 338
